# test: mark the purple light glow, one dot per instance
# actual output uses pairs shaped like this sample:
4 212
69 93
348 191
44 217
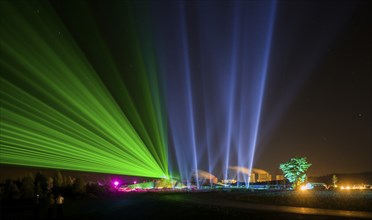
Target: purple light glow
215 92
116 183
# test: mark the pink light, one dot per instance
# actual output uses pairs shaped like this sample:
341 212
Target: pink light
135 182
116 183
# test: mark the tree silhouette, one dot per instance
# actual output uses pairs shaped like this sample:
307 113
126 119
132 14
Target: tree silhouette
27 187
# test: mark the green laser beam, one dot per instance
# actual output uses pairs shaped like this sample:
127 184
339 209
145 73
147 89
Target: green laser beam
57 111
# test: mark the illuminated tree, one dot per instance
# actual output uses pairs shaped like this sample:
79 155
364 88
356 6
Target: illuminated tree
58 179
294 170
334 179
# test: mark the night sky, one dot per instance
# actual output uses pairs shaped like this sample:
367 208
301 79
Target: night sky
248 83
321 90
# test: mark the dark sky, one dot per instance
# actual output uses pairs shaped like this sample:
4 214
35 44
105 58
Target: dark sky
326 72
286 78
318 82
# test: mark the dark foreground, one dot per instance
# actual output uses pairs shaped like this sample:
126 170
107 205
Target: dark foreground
206 205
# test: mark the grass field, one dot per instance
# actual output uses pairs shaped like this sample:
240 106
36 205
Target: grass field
356 200
185 205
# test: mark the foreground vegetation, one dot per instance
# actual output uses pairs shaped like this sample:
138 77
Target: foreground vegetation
192 205
93 200
356 200
40 186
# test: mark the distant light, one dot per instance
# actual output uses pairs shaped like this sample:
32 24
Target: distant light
348 187
116 183
303 188
135 182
